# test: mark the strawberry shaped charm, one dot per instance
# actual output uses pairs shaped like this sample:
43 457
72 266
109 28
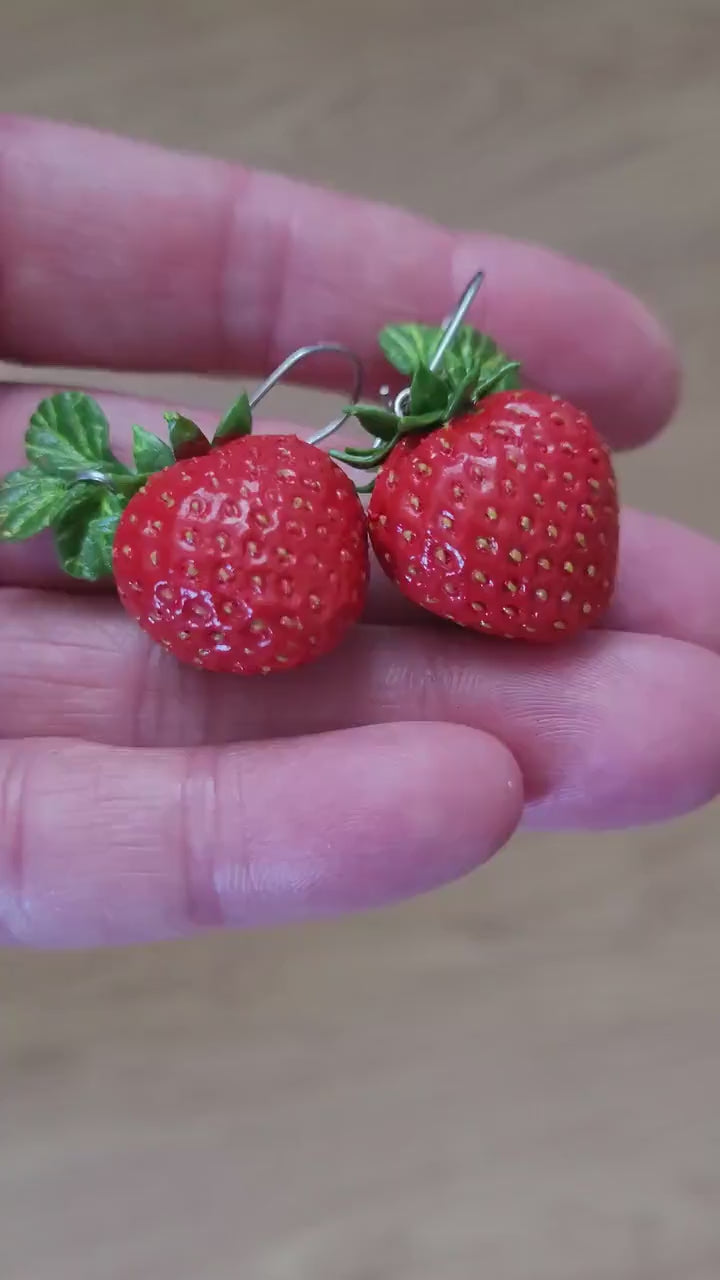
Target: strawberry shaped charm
494 507
245 555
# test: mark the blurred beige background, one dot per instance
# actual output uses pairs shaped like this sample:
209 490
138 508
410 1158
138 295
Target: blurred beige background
518 1078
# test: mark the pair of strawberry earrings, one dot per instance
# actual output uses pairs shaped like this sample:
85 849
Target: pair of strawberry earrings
491 506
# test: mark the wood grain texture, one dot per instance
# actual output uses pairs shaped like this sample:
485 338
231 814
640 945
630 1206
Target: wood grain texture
517 1078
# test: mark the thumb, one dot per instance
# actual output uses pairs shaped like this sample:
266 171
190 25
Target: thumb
106 845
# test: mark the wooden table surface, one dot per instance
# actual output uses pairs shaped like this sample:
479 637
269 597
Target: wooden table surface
516 1079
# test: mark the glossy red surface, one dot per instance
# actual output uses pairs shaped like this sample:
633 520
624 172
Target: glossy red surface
250 559
506 521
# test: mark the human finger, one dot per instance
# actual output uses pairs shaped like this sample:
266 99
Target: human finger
118 254
101 845
612 730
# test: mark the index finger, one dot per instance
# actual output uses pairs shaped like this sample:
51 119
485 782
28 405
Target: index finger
118 254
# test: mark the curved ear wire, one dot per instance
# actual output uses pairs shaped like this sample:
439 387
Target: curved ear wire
305 353
450 328
453 322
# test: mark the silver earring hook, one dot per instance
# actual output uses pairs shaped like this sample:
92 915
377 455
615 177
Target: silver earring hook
296 358
450 328
452 323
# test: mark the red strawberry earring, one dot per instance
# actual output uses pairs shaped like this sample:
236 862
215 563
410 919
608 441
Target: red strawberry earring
493 506
242 553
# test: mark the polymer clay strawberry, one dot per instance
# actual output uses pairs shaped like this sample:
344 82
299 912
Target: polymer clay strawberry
493 506
247 554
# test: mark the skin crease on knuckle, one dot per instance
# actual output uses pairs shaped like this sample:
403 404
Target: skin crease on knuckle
106 847
14 766
203 785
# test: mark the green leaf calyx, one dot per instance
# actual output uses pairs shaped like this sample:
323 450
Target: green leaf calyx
76 487
471 367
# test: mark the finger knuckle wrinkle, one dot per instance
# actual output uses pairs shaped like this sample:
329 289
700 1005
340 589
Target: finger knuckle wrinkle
201 838
14 806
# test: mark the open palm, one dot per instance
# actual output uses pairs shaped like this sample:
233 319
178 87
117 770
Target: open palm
139 799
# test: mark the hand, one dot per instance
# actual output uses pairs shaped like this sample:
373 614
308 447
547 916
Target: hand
140 800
